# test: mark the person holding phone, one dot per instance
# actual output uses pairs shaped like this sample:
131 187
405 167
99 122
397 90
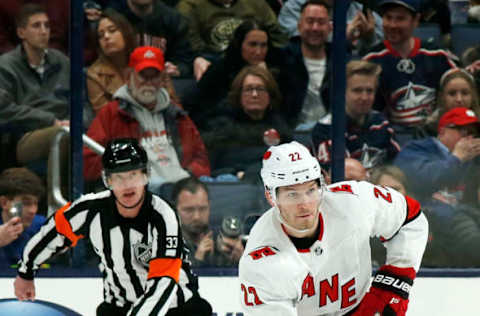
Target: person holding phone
208 247
20 191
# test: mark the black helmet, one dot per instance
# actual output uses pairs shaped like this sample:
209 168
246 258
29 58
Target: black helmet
123 154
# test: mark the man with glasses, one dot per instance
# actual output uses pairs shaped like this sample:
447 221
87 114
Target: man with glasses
142 109
440 166
193 206
136 236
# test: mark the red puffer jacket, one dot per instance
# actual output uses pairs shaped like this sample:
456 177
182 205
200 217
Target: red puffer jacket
114 122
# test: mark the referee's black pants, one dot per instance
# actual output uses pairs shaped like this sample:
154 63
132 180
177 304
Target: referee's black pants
196 306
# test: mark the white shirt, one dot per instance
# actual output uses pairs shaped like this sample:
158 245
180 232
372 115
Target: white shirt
313 108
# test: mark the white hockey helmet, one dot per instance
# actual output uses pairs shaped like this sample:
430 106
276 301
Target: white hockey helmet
289 164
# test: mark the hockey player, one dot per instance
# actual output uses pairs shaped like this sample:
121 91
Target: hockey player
310 253
136 236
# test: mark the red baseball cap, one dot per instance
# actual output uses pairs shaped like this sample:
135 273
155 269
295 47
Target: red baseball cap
146 57
458 117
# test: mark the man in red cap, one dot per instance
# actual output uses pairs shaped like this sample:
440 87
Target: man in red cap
439 166
142 109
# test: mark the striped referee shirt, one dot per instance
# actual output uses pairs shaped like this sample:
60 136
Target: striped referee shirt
141 258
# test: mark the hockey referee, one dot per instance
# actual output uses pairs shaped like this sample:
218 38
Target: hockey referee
136 236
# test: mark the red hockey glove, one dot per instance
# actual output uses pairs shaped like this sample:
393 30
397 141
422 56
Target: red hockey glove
388 294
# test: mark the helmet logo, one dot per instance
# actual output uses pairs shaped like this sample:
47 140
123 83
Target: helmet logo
267 155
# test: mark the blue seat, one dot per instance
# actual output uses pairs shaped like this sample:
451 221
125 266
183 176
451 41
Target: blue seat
464 36
429 32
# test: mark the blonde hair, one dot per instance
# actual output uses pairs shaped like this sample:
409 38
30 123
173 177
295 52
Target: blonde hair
449 76
389 170
363 67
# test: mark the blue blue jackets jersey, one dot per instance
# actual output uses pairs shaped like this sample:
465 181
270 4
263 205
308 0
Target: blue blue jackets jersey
408 85
372 144
11 253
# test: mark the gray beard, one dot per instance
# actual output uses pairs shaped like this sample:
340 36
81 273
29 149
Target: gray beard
144 95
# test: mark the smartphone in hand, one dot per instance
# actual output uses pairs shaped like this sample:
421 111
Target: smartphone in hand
16 210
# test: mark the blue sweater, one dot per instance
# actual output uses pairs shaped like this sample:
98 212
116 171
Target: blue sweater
11 253
430 167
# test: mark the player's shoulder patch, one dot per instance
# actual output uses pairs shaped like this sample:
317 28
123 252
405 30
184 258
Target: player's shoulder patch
349 187
265 262
262 252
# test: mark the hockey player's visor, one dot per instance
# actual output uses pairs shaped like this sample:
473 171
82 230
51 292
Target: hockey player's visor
293 196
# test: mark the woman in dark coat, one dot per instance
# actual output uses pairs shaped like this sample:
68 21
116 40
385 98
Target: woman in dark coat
251 45
247 125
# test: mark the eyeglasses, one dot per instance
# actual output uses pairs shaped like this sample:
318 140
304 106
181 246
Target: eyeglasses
250 89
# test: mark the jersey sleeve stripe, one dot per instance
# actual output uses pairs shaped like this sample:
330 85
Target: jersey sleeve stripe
161 267
413 209
63 226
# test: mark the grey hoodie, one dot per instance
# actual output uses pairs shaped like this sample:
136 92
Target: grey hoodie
162 155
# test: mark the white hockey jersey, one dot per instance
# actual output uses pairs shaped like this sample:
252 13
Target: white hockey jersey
333 275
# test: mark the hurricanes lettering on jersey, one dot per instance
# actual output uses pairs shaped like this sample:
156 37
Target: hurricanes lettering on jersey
348 290
308 287
330 289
